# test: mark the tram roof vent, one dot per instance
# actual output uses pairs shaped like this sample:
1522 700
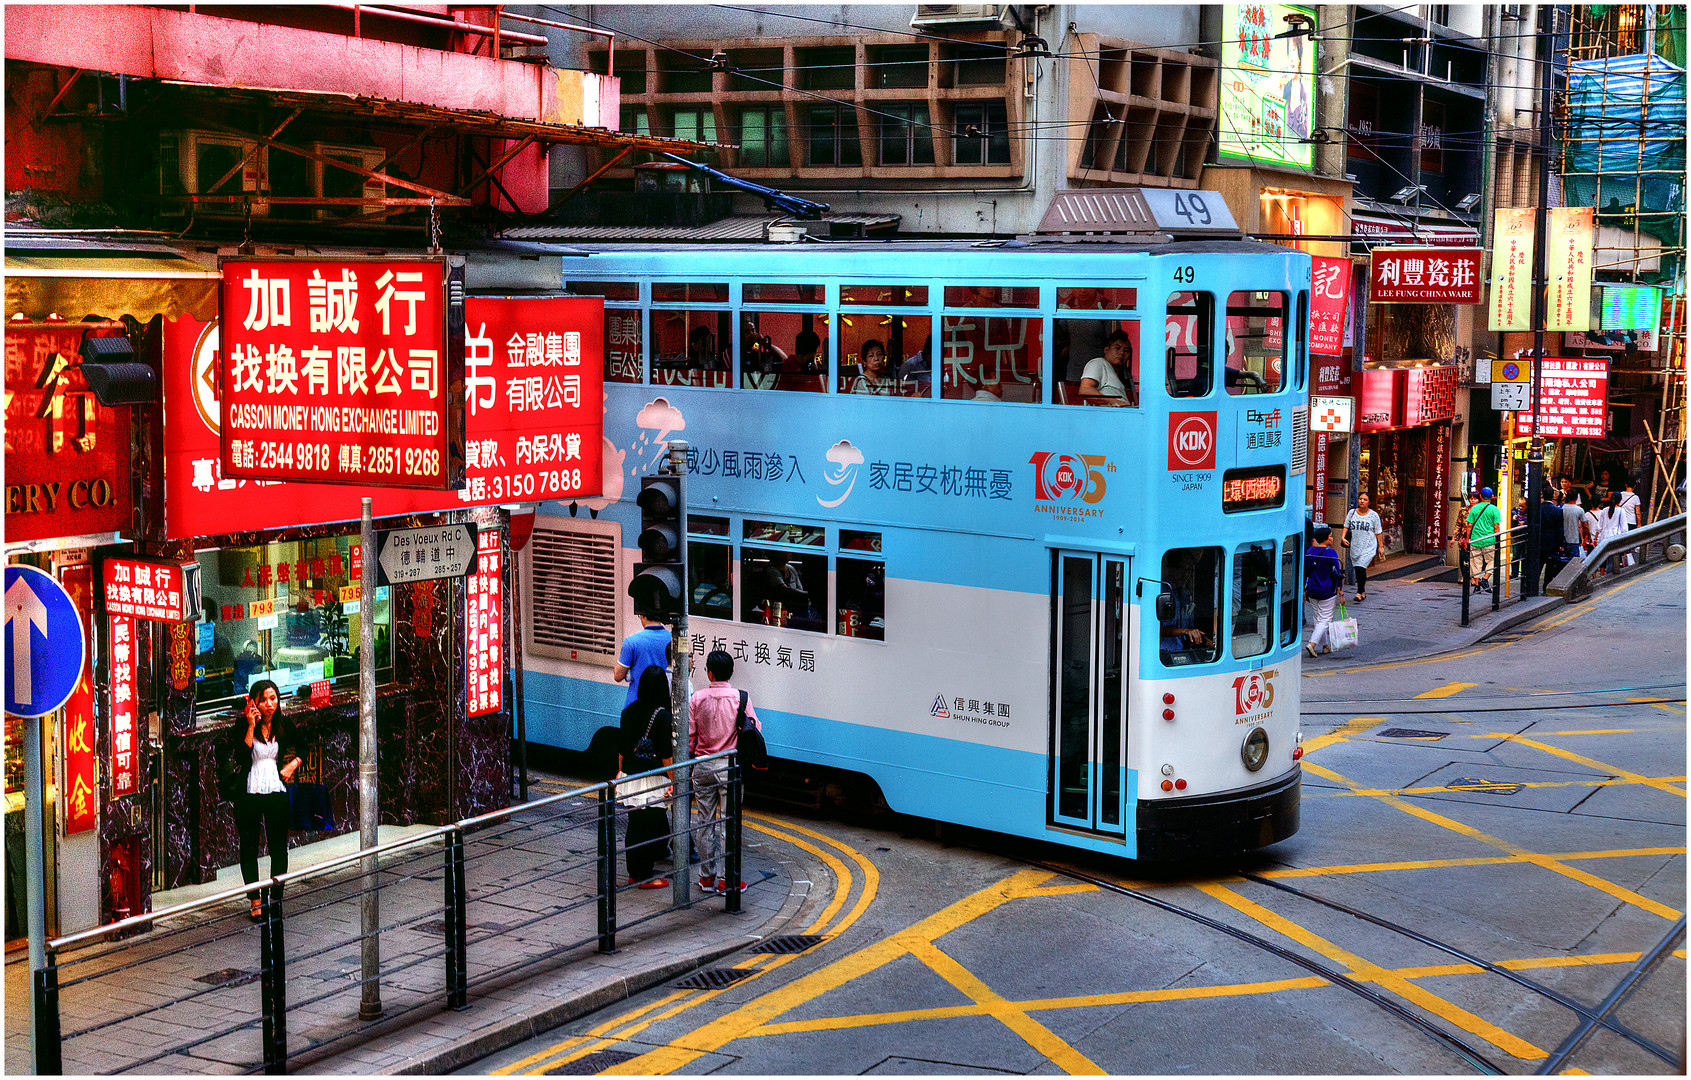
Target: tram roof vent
1129 214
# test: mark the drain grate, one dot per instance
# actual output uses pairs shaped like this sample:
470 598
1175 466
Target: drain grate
228 977
713 978
1413 733
1490 787
592 1064
790 943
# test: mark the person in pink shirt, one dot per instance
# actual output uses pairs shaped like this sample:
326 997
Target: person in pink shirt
713 713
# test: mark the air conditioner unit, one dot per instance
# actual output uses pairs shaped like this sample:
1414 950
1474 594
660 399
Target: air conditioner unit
190 162
951 14
330 182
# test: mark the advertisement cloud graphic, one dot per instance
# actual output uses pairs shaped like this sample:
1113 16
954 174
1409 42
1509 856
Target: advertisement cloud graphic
845 459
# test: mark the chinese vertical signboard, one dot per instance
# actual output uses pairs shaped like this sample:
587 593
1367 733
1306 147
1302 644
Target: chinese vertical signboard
339 371
1567 256
1573 399
483 627
67 456
1424 276
123 706
1267 85
81 802
1511 271
1329 297
1438 486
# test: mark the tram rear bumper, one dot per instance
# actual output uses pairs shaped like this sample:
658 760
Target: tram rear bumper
1206 825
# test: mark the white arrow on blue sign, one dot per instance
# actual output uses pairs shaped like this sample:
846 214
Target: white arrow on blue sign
44 642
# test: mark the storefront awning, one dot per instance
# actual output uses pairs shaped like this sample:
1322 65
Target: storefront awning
111 285
1372 228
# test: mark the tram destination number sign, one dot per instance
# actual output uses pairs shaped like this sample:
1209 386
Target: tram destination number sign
427 554
1189 211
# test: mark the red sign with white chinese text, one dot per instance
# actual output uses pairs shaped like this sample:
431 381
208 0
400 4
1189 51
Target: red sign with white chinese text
124 709
1321 441
77 786
1329 296
339 371
1378 407
483 627
1573 399
67 456
144 590
1424 276
201 501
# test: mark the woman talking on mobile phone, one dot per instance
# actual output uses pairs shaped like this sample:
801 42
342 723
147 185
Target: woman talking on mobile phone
263 799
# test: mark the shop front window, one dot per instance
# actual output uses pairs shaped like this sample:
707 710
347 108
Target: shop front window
288 612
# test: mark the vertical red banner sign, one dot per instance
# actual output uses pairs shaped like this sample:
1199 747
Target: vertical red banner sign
1438 486
484 626
124 770
1321 439
181 655
76 791
1329 296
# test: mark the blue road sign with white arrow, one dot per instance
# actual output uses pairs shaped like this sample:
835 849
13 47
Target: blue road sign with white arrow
44 642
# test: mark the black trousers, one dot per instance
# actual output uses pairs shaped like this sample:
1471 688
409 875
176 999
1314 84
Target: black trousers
648 833
273 814
1361 578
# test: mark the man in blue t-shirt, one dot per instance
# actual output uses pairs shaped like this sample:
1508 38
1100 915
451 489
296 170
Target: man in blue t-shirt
1323 576
646 647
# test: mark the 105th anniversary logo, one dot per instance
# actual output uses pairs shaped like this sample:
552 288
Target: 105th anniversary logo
1061 481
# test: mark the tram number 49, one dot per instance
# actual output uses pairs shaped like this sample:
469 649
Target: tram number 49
1185 275
1190 206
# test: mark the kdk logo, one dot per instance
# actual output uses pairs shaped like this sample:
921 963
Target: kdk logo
1191 440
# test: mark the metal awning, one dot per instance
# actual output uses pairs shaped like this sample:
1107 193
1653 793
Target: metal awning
72 284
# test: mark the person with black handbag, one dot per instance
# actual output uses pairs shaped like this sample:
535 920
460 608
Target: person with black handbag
718 714
257 776
648 742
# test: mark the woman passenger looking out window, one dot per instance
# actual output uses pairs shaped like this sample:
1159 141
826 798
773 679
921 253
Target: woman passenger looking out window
874 378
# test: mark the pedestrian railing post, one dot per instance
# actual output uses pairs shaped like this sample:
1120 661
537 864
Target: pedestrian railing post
273 977
1467 582
48 1052
457 950
608 869
731 841
1498 570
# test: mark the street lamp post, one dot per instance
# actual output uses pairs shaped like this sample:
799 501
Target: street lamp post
1532 570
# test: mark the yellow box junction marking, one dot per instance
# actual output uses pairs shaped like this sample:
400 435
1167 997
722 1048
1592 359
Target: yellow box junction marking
1592 763
1447 690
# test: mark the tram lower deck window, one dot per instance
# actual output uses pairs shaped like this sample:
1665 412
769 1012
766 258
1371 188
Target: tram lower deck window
1190 634
1253 599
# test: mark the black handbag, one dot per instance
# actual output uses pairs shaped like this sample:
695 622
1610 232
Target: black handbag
232 773
754 752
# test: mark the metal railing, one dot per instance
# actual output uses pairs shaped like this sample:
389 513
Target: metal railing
135 1002
1508 557
1613 556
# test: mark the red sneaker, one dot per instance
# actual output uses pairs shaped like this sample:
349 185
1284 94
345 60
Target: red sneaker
655 883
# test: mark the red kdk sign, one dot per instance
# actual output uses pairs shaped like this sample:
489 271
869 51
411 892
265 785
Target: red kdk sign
1424 276
339 371
1191 440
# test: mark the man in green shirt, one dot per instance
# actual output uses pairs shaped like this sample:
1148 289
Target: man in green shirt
1483 519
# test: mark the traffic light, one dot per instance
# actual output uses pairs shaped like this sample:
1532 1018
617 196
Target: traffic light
658 587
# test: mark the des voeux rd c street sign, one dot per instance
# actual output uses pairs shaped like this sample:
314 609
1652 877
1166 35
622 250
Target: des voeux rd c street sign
440 551
44 642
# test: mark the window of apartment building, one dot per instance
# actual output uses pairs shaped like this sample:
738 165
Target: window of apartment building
698 125
830 68
906 135
900 66
1362 120
635 121
832 135
754 69
982 134
762 137
630 68
978 65
682 74
1432 136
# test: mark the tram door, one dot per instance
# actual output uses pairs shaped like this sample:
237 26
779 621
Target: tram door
1089 710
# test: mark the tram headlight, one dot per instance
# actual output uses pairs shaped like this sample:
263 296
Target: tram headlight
1255 750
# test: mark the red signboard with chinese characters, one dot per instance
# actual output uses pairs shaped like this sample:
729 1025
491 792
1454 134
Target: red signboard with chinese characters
77 787
1378 406
1320 443
67 456
201 501
1424 276
124 710
1573 399
1438 486
339 371
1430 395
483 628
1329 296
145 590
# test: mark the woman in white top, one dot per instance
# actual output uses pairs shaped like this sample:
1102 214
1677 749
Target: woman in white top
1611 521
1104 382
265 802
1362 532
874 379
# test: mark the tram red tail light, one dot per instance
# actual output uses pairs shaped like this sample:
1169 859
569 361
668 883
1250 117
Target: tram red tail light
1298 753
1168 785
1168 699
1168 714
1180 784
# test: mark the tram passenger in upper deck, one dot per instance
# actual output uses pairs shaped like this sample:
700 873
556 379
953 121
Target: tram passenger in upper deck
1107 378
761 360
807 354
702 353
874 378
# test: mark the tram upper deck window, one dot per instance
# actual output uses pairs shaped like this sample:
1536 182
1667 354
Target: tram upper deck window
1096 298
1096 361
890 354
1189 634
754 292
784 350
622 326
992 358
690 348
690 292
1253 599
1189 340
1256 342
991 296
883 295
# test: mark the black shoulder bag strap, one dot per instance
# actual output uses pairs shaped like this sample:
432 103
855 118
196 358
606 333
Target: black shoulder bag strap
740 717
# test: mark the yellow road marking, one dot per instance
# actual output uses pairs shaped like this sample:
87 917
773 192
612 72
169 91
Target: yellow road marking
1503 784
1371 972
1665 706
592 1035
1340 734
1592 763
1501 844
1589 731
1447 690
871 876
1440 864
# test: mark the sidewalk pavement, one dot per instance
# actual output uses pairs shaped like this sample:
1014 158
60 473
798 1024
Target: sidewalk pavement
420 1035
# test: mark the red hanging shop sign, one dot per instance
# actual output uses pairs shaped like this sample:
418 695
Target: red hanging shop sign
1329 295
1424 276
341 371
77 788
123 706
484 628
163 592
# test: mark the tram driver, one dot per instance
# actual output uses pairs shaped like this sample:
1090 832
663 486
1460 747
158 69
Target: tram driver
1189 635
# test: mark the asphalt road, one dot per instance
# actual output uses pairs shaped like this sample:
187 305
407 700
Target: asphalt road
1519 805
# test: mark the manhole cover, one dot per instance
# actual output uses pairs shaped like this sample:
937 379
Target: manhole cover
791 943
1469 783
713 978
1413 733
591 1064
229 977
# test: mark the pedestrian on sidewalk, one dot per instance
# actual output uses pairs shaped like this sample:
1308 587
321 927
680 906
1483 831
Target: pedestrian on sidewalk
1323 580
262 799
648 742
1552 555
715 713
1611 521
1571 514
1630 502
1362 531
647 646
1483 521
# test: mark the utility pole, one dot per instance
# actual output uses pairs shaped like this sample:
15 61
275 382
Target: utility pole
369 809
1532 568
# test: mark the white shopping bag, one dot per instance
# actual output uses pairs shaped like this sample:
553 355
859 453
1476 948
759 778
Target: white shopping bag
1341 633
